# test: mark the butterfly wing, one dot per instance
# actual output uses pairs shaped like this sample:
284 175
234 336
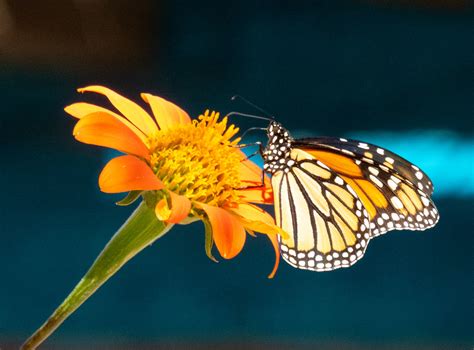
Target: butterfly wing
327 224
395 192
371 153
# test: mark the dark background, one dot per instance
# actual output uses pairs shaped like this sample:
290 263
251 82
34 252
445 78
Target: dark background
396 73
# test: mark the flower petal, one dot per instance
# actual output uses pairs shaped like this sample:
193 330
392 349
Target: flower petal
102 129
82 109
227 231
180 207
249 172
273 240
259 195
133 112
128 173
256 219
252 188
167 114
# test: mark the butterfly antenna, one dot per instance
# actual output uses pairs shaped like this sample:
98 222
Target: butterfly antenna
235 97
249 116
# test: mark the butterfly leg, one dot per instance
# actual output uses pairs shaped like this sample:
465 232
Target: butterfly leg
258 151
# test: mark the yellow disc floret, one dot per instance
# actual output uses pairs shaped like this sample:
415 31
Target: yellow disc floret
198 160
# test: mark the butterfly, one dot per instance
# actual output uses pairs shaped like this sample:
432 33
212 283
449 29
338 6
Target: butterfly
333 195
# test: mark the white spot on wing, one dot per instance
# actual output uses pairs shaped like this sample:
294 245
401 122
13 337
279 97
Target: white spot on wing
376 181
397 204
392 184
373 170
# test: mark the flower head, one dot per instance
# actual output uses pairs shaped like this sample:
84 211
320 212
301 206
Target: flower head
185 169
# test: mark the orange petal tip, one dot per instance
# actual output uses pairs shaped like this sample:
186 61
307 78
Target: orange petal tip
227 231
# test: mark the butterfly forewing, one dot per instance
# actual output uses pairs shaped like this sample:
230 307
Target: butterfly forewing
397 204
327 224
393 201
371 154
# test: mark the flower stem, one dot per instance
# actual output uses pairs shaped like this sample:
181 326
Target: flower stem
140 230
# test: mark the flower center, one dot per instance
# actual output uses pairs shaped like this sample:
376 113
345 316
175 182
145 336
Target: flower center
198 160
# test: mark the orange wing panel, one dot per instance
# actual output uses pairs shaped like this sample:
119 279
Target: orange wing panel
340 164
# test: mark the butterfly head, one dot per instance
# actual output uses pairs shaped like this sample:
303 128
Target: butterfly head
277 152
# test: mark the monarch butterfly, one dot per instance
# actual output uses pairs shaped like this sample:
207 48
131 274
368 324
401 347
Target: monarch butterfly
333 195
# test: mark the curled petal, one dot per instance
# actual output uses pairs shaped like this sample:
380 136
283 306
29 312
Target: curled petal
162 210
227 231
256 219
128 173
273 240
102 129
133 112
180 207
82 109
167 114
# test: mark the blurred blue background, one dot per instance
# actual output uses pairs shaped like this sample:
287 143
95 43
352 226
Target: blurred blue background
395 73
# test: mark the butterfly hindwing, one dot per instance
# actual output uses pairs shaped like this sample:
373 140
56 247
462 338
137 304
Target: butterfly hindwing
327 224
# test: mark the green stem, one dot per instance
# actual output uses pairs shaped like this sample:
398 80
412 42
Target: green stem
140 230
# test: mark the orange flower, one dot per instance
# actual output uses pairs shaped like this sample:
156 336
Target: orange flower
185 169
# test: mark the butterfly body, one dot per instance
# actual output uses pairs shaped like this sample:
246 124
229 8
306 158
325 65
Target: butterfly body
277 152
333 195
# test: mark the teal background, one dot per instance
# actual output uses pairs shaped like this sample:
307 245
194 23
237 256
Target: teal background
398 76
